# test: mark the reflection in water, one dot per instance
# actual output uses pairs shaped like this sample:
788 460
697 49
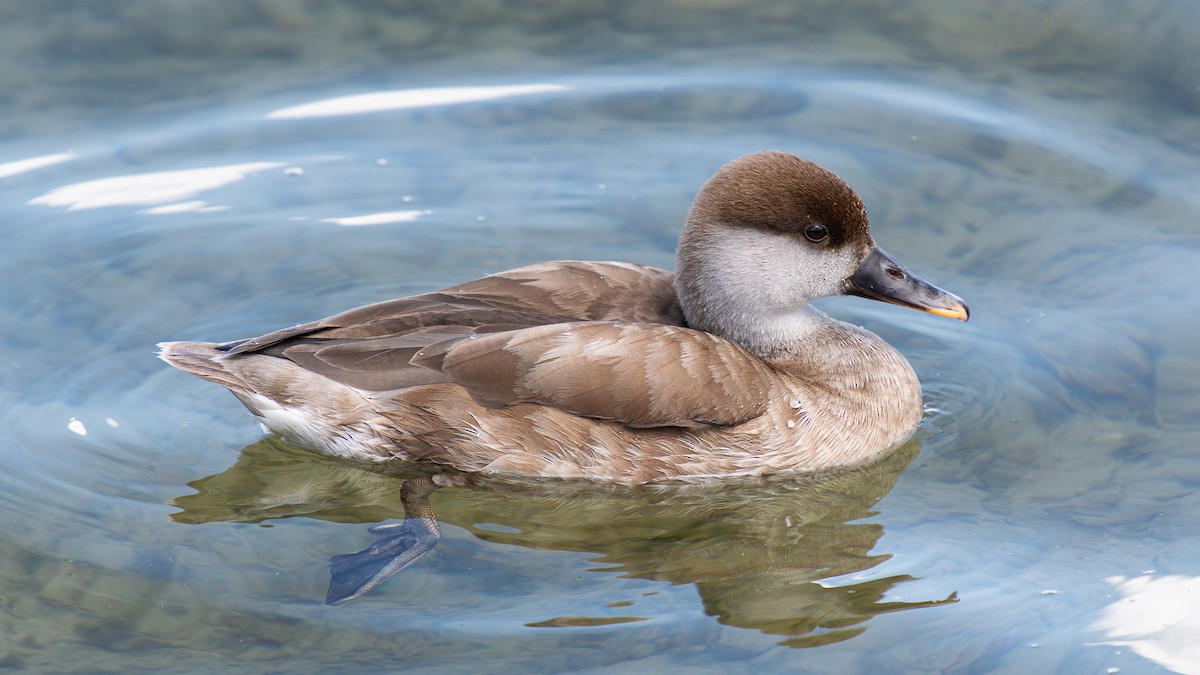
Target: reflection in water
758 552
402 99
148 189
383 218
1156 617
34 163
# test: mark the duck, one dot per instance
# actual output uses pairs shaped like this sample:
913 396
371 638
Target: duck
614 371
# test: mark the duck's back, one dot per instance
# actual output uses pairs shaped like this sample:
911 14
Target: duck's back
372 347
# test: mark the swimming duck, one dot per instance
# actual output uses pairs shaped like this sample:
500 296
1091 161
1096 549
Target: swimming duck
612 371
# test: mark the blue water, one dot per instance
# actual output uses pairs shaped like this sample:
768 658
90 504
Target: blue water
1038 160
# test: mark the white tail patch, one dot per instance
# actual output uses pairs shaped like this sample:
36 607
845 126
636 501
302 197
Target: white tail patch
306 428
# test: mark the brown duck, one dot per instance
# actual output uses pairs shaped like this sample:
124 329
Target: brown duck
613 371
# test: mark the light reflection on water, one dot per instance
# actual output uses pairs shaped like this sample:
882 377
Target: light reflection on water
1058 455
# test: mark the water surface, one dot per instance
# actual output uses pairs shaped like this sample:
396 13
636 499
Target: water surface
178 172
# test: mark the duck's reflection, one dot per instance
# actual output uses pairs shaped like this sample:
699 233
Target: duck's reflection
756 551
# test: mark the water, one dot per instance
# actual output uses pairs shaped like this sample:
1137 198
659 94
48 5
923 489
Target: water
1037 159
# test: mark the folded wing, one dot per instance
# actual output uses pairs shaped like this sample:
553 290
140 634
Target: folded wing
641 375
601 340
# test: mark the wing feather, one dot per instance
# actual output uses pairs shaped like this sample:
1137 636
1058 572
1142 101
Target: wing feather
527 296
642 375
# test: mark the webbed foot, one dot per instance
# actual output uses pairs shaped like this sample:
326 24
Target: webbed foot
399 545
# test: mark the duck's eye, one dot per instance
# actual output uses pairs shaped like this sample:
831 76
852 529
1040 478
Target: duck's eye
816 232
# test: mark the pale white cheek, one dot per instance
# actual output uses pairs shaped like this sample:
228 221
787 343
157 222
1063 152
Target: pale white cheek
775 272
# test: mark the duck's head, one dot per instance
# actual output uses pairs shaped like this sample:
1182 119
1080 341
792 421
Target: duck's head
771 231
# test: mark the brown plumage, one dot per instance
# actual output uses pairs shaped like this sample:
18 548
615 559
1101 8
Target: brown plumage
615 371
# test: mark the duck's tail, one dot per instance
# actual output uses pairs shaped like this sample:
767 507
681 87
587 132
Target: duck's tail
303 407
202 360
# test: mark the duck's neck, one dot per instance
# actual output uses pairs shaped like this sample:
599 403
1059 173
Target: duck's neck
836 370
769 336
739 285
